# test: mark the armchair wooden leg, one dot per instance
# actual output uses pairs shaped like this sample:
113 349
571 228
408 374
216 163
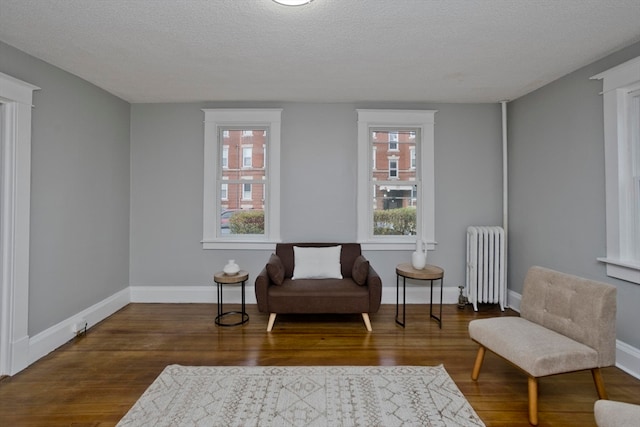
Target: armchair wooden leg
479 359
597 379
533 401
367 322
272 319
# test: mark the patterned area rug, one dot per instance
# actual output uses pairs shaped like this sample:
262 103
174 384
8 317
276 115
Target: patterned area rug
302 396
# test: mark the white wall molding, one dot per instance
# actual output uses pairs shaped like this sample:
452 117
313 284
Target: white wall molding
621 85
15 142
50 339
420 294
190 294
513 300
416 294
628 358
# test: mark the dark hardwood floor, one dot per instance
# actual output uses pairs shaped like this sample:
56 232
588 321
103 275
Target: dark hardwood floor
95 379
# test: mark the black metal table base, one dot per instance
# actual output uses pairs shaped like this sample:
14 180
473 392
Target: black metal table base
404 300
244 317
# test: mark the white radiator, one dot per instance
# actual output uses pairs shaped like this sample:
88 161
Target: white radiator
486 269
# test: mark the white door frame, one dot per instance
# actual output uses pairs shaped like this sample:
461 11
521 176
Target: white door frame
15 142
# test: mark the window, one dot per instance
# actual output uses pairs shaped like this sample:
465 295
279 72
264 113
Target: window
247 194
396 203
393 168
621 98
241 201
225 153
247 157
224 192
393 140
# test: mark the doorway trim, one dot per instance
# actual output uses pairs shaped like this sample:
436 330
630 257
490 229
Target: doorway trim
15 142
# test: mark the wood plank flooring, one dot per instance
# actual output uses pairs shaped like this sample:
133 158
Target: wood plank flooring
95 379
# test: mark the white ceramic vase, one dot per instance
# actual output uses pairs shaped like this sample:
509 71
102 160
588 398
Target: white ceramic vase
231 268
419 257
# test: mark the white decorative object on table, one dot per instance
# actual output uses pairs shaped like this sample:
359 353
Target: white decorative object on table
231 268
419 257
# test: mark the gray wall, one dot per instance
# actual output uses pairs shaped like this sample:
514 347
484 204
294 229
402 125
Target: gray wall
557 187
79 248
318 186
93 222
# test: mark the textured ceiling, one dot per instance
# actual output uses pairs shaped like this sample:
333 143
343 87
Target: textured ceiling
326 51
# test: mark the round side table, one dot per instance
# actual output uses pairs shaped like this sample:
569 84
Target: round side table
430 273
221 279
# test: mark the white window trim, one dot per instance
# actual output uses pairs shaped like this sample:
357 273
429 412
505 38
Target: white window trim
16 98
424 120
617 83
213 121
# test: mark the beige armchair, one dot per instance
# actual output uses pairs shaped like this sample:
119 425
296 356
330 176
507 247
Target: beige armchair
566 324
616 414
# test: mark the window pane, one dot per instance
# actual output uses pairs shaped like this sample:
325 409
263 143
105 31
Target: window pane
394 211
394 160
243 153
242 221
241 197
395 202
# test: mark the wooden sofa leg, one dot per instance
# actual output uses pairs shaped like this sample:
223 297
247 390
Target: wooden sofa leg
533 401
479 359
597 378
272 320
367 322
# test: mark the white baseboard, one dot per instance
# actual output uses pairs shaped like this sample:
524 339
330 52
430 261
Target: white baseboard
417 294
232 294
513 300
19 355
191 294
48 340
628 358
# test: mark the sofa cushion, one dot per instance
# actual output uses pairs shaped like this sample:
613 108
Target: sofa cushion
535 349
582 309
360 270
350 252
319 296
275 269
317 263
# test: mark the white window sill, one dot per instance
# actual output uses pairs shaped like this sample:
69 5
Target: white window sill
239 244
622 269
393 246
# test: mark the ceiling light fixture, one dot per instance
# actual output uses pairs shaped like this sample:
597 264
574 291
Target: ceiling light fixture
293 2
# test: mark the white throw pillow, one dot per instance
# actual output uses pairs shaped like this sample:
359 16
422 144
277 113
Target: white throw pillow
317 263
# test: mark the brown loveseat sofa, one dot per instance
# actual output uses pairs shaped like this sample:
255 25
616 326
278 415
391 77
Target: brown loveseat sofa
358 291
